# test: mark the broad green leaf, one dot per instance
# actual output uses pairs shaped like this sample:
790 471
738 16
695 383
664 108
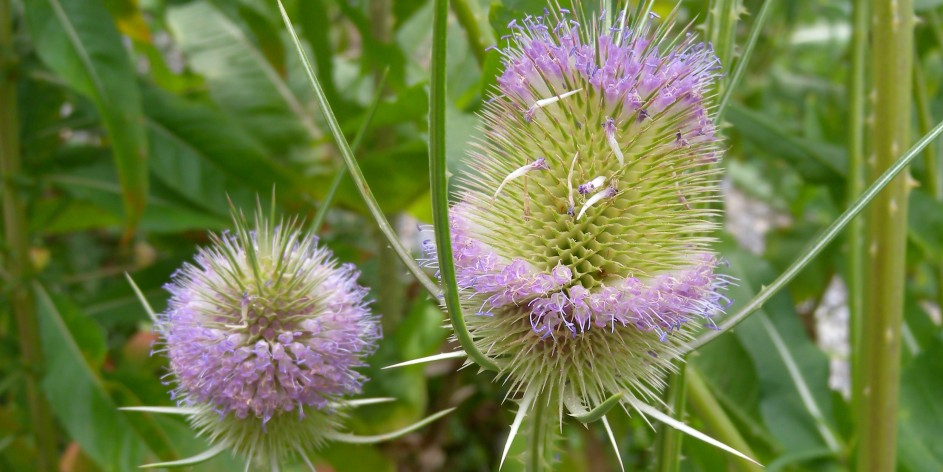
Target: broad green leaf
75 391
792 372
816 162
239 77
315 26
205 157
356 458
78 40
926 223
920 420
398 177
95 184
922 5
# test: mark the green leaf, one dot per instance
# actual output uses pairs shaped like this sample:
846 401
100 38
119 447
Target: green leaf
920 418
95 185
926 223
240 78
354 167
922 5
205 157
816 162
356 458
792 371
78 40
75 391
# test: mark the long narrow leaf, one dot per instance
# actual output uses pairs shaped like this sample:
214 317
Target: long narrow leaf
351 162
76 392
820 242
79 41
358 138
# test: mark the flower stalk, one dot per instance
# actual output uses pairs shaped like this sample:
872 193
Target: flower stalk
668 442
18 265
856 172
705 406
879 389
465 14
439 184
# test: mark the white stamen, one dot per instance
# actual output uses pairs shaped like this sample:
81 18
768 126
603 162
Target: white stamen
569 183
556 98
592 185
610 127
610 191
539 164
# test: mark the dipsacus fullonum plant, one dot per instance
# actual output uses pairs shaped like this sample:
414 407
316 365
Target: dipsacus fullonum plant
581 234
263 333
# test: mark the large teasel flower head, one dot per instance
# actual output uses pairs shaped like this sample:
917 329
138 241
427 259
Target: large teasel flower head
263 333
581 232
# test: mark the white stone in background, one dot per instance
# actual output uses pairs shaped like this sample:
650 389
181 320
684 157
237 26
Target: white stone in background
749 219
831 327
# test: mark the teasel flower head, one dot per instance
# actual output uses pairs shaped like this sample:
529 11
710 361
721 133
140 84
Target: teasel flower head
581 234
264 332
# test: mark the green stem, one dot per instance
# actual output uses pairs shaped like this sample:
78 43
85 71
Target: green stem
738 72
856 171
932 165
876 413
722 29
467 19
18 265
705 406
668 442
819 243
439 188
541 434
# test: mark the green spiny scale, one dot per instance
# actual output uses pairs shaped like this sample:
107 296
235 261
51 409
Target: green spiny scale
280 439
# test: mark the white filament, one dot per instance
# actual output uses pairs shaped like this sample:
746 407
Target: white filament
594 199
538 164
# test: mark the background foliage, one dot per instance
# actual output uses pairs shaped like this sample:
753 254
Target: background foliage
137 119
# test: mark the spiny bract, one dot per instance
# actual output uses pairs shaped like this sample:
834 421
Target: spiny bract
263 334
580 235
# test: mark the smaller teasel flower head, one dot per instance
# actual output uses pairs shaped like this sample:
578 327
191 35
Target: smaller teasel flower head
264 332
581 234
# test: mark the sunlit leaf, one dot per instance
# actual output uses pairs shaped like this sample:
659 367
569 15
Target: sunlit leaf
79 41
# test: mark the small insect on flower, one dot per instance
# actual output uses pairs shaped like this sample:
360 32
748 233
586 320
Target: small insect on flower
263 333
592 272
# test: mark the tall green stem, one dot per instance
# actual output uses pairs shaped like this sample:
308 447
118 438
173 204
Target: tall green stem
722 29
705 406
476 40
668 442
541 431
19 267
440 188
876 413
856 172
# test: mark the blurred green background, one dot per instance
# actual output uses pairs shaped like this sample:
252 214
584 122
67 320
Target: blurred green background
137 119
